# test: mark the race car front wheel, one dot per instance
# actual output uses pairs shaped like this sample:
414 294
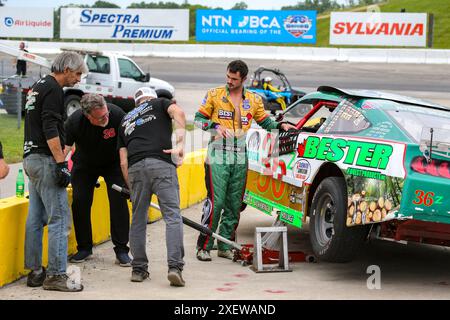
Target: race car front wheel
331 239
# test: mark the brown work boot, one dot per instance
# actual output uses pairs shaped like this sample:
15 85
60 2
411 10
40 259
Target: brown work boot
175 278
139 275
227 254
61 282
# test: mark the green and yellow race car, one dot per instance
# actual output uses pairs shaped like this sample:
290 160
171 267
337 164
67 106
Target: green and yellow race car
360 162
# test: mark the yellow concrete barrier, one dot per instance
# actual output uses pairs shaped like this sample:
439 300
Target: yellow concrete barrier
13 214
196 183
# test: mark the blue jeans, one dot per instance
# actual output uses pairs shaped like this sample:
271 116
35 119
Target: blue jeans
48 205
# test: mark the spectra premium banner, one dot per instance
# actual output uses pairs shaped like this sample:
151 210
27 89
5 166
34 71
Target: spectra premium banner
29 23
256 26
129 24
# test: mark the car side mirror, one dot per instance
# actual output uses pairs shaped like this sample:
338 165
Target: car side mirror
147 77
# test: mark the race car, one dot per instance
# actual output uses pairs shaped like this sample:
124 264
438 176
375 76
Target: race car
273 86
360 163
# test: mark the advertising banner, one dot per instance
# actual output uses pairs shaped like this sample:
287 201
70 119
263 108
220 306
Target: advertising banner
256 26
129 24
378 29
30 23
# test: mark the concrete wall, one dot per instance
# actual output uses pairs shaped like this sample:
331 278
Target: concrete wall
372 55
13 215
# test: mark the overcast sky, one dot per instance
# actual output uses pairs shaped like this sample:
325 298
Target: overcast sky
226 4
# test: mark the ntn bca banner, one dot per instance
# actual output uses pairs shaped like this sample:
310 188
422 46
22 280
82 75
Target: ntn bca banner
256 26
378 29
29 23
125 24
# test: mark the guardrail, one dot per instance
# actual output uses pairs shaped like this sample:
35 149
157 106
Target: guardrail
427 56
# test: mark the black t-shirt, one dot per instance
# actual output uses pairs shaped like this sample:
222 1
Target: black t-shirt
22 63
146 131
95 146
1 151
44 116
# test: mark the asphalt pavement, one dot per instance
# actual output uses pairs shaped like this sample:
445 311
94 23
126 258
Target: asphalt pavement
406 272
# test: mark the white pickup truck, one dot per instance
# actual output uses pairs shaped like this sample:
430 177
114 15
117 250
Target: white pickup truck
112 75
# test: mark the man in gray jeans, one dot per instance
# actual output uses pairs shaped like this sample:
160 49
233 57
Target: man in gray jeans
148 162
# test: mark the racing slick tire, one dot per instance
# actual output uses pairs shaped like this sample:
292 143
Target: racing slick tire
72 103
330 237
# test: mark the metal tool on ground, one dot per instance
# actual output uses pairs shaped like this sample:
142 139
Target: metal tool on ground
283 258
242 253
270 252
126 193
271 244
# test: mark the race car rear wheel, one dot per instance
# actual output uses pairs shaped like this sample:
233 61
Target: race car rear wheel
331 239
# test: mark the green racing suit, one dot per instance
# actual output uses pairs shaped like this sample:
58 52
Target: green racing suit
226 161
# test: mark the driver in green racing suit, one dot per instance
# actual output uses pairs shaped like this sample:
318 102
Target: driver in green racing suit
229 111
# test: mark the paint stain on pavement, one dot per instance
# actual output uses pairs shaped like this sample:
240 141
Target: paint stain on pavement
241 275
230 284
275 291
224 289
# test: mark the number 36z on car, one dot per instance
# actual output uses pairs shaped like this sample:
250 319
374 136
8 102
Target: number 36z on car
360 162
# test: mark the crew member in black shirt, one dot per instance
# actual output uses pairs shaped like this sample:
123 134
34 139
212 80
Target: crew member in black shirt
93 130
148 163
44 163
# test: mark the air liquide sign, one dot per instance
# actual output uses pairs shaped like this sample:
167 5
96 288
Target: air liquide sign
129 24
30 23
256 26
378 29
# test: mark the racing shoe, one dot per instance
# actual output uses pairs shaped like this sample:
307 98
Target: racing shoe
203 255
175 278
35 279
61 282
227 254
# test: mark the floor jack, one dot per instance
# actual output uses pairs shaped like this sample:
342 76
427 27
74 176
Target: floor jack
245 253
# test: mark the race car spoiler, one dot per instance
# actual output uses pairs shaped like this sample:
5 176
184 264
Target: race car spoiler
372 94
